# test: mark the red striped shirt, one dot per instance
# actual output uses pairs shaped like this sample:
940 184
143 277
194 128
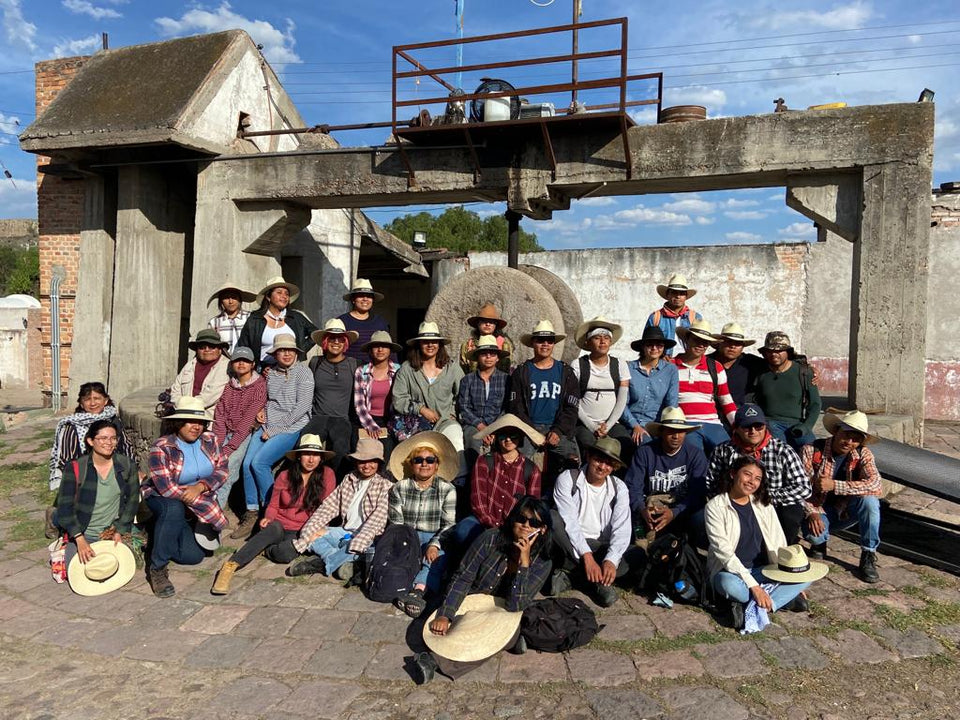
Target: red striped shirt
696 392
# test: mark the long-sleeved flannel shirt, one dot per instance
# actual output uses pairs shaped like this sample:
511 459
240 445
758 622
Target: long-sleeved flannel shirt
289 398
229 328
476 404
493 494
787 482
237 412
860 474
482 571
362 382
166 464
374 509
432 510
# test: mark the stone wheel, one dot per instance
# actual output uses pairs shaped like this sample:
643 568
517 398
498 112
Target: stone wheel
568 303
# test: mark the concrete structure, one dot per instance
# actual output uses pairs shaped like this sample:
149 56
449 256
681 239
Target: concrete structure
20 360
19 233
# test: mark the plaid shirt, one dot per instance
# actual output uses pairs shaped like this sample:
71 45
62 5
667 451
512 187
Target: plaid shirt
373 509
229 328
493 494
166 464
78 495
860 474
431 510
787 482
476 404
362 382
483 570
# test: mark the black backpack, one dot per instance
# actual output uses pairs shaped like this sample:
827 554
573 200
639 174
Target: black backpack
676 569
558 624
396 561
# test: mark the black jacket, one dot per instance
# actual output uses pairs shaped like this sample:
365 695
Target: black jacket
253 330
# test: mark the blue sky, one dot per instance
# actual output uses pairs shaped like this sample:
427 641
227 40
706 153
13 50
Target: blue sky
733 57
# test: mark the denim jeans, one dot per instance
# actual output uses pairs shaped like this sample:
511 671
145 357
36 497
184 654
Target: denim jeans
234 465
732 587
781 431
333 547
465 532
258 465
431 574
862 510
707 437
172 537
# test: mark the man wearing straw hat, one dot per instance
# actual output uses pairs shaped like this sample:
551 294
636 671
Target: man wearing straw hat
229 323
675 312
846 488
742 368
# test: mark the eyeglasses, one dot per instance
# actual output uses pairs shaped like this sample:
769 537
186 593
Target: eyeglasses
544 341
428 460
515 439
756 427
336 338
109 439
533 522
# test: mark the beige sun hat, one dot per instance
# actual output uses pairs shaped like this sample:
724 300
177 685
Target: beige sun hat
793 566
428 331
285 342
368 449
699 328
481 628
438 442
853 420
275 282
512 421
544 328
245 295
381 337
362 286
334 326
488 313
189 408
310 443
673 418
486 343
111 567
587 326
676 282
733 331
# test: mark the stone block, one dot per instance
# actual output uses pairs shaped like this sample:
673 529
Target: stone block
795 652
70 633
623 705
354 600
667 666
164 645
373 629
912 643
252 695
29 623
221 651
339 659
321 698
695 703
735 658
265 622
598 668
216 619
173 612
260 593
27 579
853 608
680 620
281 655
533 667
112 641
312 596
626 626
11 607
389 663
854 648
324 624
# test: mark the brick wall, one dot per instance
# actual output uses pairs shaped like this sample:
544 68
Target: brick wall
945 211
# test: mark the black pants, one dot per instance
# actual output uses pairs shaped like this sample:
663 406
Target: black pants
565 557
337 434
273 541
791 518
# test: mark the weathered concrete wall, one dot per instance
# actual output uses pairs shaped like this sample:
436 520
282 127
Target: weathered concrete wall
20 360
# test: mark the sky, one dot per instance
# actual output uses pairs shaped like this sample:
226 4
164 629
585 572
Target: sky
734 57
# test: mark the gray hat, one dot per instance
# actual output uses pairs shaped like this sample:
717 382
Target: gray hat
242 353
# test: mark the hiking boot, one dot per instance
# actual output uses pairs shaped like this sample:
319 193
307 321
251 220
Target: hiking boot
868 567
221 586
425 667
606 595
559 582
736 615
245 528
49 529
344 572
305 565
160 582
817 551
799 604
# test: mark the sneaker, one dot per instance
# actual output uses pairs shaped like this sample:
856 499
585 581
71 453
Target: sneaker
606 595
344 572
559 582
799 604
817 551
737 619
305 565
520 647
160 582
49 529
245 528
425 667
868 567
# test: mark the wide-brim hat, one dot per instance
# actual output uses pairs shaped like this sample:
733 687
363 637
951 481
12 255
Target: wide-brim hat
793 566
676 282
544 328
733 331
189 408
584 328
776 341
368 449
362 286
112 567
698 328
608 447
486 343
487 313
310 443
381 337
210 337
854 420
275 282
652 333
510 420
481 628
245 295
673 418
334 326
438 442
207 536
285 342
428 331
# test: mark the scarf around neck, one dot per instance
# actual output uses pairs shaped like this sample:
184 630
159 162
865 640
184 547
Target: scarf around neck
81 423
754 452
667 312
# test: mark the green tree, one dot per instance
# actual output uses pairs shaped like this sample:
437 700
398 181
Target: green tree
460 230
19 271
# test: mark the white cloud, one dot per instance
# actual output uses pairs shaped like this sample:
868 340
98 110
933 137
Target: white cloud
800 230
745 214
83 46
713 99
703 220
17 30
651 216
840 17
736 203
18 201
83 7
742 237
645 116
597 201
278 45
693 205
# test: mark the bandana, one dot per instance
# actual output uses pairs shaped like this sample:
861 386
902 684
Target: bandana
667 312
754 452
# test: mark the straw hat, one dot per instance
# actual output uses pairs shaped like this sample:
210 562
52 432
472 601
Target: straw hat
438 442
486 343
854 420
733 331
209 336
368 449
428 331
334 326
112 567
584 329
487 313
652 333
310 443
285 342
362 286
512 421
673 418
676 282
544 328
698 328
207 536
381 337
245 295
189 408
608 447
275 282
792 566
481 628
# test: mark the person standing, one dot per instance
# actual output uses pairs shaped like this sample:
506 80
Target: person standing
482 395
275 318
229 323
675 312
742 368
373 389
360 319
654 383
787 392
487 323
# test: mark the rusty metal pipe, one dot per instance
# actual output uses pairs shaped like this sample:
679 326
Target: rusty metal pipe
512 35
545 60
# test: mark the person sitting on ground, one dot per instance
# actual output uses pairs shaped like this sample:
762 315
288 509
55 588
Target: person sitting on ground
787 392
373 389
591 524
360 319
275 318
303 483
742 369
511 561
667 478
427 502
361 503
846 488
186 470
482 395
675 312
744 534
653 383
487 323
703 399
205 374
229 323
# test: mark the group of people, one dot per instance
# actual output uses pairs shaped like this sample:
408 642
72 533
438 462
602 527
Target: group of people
514 477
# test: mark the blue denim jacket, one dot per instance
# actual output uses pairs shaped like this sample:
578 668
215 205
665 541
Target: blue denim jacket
650 393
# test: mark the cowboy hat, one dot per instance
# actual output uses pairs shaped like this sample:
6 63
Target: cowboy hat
652 333
275 282
486 343
776 341
512 421
111 567
189 408
381 337
732 331
698 328
368 449
207 536
334 326
362 286
854 421
673 418
608 447
208 337
676 282
285 342
544 328
599 322
792 566
438 442
428 331
245 295
310 443
487 313
481 628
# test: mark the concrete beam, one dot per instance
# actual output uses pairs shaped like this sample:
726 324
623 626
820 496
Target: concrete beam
832 201
272 227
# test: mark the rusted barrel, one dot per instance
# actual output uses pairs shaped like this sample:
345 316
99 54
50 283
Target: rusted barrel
683 113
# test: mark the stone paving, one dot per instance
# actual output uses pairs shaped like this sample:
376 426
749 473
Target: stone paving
307 648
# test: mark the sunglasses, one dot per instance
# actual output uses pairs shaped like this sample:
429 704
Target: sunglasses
512 437
428 460
756 427
531 521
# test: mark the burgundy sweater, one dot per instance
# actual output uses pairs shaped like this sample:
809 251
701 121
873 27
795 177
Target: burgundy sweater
236 412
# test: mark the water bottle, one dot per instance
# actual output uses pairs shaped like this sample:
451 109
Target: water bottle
685 591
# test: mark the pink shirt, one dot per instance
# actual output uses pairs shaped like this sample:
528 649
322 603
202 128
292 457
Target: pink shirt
291 513
379 392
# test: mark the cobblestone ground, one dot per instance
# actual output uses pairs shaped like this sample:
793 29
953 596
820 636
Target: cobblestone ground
307 648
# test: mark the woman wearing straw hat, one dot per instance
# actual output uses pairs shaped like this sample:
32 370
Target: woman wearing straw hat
482 395
373 389
653 383
303 483
205 374
229 323
186 470
426 501
745 535
274 318
487 323
360 318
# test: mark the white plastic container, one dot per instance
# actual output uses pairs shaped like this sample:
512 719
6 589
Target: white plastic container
496 109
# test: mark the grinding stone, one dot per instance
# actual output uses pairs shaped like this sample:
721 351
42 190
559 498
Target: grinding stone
568 303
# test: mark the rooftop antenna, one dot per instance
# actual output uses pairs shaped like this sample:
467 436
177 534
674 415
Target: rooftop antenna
577 13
